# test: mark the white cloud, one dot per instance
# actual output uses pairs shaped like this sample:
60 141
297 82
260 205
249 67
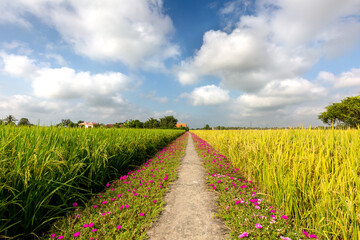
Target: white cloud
135 32
275 44
308 110
58 58
66 83
24 105
278 95
17 65
343 80
152 95
207 95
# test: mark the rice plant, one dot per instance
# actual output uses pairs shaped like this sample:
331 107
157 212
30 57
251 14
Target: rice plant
44 169
314 175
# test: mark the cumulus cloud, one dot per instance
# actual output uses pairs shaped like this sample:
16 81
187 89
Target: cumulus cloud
278 95
134 32
275 44
17 65
66 83
343 80
207 95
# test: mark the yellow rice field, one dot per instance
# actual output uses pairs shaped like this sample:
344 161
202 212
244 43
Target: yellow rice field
313 174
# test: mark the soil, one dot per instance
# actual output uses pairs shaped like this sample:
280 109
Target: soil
189 212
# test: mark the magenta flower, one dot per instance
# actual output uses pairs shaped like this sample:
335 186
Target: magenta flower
214 187
104 202
285 238
53 235
244 234
118 227
127 206
75 204
154 201
313 236
76 234
61 237
284 217
141 214
258 225
85 225
94 230
95 206
91 224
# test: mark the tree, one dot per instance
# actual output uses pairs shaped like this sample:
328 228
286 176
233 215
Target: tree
152 123
133 124
168 122
346 113
10 120
67 123
207 127
24 122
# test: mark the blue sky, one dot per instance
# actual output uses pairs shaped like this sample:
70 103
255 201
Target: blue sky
231 63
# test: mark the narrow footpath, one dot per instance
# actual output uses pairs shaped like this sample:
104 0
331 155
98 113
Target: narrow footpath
190 206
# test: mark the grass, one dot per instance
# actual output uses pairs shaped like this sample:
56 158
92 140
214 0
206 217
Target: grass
129 205
312 175
43 170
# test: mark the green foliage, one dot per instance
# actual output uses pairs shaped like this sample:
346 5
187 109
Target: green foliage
133 124
119 217
152 123
207 127
347 112
24 122
44 169
168 122
10 120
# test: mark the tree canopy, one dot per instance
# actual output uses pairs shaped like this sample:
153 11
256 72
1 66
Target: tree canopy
346 113
168 122
24 122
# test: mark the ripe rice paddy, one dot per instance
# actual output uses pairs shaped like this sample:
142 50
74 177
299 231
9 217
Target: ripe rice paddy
313 176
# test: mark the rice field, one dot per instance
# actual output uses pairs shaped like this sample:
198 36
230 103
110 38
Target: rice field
312 175
44 170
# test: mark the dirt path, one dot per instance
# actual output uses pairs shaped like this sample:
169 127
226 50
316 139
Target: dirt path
189 210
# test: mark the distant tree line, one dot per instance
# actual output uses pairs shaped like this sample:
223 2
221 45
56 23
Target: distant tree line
166 122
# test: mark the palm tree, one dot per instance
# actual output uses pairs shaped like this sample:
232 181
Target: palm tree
10 120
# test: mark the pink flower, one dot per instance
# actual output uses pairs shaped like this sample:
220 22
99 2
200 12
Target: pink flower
53 235
118 227
127 206
272 211
76 234
313 236
258 225
94 230
154 201
61 237
284 217
214 187
91 224
104 202
75 204
85 225
244 234
285 238
95 206
141 214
